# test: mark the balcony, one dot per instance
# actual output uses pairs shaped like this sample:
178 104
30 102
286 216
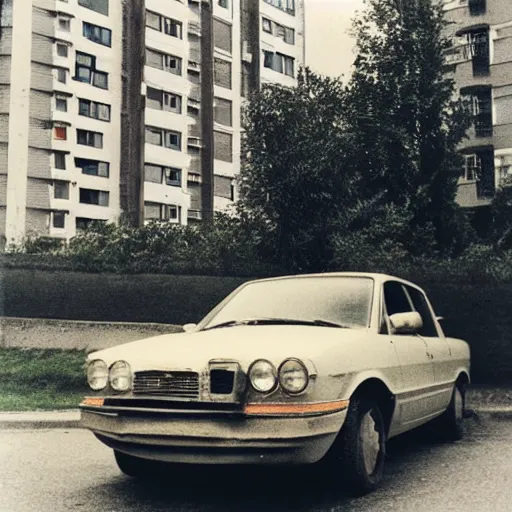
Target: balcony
194 215
195 166
194 28
474 45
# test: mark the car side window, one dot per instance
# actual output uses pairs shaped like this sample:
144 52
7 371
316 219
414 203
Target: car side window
396 299
421 306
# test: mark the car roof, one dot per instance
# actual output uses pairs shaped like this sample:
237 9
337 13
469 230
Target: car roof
378 277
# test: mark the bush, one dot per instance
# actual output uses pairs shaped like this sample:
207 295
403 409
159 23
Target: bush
228 246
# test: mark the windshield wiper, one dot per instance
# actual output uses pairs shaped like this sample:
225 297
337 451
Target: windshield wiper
278 321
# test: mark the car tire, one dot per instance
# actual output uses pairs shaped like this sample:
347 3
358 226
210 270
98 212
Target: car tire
360 448
134 466
450 426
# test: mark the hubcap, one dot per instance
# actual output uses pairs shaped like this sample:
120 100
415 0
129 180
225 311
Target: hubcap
459 405
370 441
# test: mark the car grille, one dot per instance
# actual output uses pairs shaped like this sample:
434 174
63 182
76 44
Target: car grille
177 384
221 382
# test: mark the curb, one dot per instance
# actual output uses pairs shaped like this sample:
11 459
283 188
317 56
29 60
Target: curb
71 419
40 419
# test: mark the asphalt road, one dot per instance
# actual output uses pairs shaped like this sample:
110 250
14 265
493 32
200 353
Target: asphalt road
68 470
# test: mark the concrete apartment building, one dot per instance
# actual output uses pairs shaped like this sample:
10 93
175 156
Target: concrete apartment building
130 108
481 65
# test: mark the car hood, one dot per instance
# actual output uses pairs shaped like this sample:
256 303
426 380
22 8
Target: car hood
241 343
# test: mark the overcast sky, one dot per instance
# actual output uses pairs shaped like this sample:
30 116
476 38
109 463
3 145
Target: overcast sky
329 49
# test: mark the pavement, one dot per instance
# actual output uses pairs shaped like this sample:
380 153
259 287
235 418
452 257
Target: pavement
481 401
69 470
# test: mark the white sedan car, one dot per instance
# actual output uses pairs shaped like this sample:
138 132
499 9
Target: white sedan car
293 370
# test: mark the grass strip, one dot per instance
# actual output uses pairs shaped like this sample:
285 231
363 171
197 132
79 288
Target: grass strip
41 379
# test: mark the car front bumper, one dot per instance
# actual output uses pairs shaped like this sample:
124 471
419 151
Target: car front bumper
209 438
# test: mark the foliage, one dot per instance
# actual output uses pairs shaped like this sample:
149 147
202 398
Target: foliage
293 180
501 211
226 246
405 124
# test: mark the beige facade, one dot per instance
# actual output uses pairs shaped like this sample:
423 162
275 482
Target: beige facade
87 134
481 65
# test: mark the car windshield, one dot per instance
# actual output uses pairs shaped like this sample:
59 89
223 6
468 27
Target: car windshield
340 301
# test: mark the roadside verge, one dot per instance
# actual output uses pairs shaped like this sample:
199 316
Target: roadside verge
79 335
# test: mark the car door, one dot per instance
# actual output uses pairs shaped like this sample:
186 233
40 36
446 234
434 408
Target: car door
437 346
414 401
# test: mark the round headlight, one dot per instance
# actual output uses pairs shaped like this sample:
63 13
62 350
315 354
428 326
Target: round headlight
293 376
263 376
120 376
97 374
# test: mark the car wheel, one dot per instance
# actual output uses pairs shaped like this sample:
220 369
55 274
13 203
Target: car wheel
451 423
133 466
360 448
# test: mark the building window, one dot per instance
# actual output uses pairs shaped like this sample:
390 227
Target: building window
173 28
94 109
93 167
61 75
59 220
97 34
165 138
223 146
157 174
62 50
477 7
223 111
88 138
222 73
279 62
163 61
82 223
90 196
100 6
222 35
60 160
480 52
285 33
61 104
60 133
64 24
223 187
481 106
153 20
161 100
223 3
285 5
85 71
61 189
169 26
503 166
158 211
472 168
172 176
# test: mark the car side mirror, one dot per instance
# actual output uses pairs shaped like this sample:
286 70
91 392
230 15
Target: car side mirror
189 327
406 323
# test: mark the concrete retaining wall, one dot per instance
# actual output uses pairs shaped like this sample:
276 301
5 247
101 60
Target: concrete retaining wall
66 334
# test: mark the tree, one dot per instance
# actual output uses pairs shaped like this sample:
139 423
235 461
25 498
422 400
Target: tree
294 177
405 123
